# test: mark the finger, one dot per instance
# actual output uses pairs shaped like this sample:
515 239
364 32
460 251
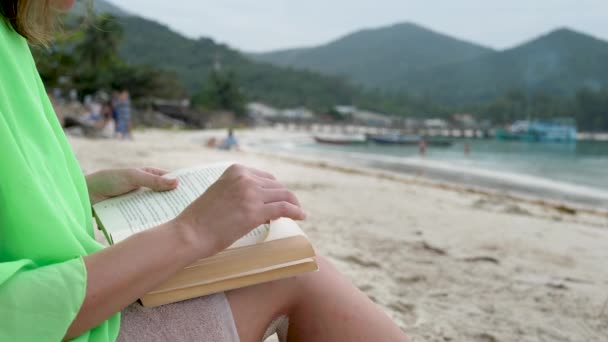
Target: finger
260 173
279 195
266 183
155 171
154 182
276 210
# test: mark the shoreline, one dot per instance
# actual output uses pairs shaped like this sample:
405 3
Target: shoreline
564 207
489 199
564 196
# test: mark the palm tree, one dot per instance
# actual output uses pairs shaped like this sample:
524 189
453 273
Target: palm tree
99 46
97 53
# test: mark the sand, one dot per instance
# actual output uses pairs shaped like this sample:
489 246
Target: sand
447 263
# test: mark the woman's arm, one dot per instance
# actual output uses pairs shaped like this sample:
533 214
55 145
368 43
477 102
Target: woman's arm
239 201
117 276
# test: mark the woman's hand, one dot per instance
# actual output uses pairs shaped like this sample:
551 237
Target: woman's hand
242 199
111 183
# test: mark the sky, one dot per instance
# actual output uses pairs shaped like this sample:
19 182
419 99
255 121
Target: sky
265 25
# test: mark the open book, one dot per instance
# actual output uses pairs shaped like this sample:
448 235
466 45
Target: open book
272 251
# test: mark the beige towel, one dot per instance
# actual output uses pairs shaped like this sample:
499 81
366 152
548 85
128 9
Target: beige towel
202 319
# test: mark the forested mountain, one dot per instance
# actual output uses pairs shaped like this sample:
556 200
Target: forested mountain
379 58
150 43
559 63
408 58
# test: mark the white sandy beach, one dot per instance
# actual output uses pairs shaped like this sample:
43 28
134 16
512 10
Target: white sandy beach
446 263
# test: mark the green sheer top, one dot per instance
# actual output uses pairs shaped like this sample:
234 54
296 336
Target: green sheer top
45 215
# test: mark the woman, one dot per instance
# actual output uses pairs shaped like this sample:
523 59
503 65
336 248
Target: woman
57 283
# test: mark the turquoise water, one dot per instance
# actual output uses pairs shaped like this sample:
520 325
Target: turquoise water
577 171
584 163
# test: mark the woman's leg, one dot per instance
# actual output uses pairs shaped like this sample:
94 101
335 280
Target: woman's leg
322 306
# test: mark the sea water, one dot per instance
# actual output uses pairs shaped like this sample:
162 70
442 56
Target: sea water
571 172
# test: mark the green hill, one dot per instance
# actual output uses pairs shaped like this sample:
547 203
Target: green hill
408 58
150 43
559 63
379 58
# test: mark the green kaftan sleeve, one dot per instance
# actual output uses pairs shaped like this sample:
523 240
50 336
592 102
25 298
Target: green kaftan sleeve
45 215
39 303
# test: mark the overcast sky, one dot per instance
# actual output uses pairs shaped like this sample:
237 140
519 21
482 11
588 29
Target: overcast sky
264 25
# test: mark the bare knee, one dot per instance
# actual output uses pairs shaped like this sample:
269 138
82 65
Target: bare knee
326 271
326 278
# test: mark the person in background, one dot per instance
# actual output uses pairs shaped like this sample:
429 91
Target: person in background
73 95
113 102
107 125
57 94
122 105
467 149
57 283
422 147
211 142
230 142
93 117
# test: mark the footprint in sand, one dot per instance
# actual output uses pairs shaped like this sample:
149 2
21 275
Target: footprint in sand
484 337
358 261
366 288
407 312
411 279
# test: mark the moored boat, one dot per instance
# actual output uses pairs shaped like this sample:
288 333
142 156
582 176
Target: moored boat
401 139
394 139
557 130
340 139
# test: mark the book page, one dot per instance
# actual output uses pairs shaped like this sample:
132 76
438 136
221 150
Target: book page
255 236
126 215
283 228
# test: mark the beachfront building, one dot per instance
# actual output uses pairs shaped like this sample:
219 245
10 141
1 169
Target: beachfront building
364 117
298 114
464 120
435 124
261 111
263 114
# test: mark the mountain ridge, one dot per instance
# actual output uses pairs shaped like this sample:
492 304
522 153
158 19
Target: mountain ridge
434 67
559 62
399 48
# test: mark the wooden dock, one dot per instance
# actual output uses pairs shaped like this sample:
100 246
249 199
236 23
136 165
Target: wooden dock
319 128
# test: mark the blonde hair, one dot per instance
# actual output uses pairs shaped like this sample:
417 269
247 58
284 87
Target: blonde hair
33 19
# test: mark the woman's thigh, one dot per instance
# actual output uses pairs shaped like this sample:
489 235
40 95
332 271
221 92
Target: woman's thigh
254 308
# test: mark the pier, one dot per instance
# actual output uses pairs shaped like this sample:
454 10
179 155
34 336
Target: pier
324 128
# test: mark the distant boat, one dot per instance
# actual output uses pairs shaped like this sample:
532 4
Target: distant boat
400 139
557 130
340 139
394 139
